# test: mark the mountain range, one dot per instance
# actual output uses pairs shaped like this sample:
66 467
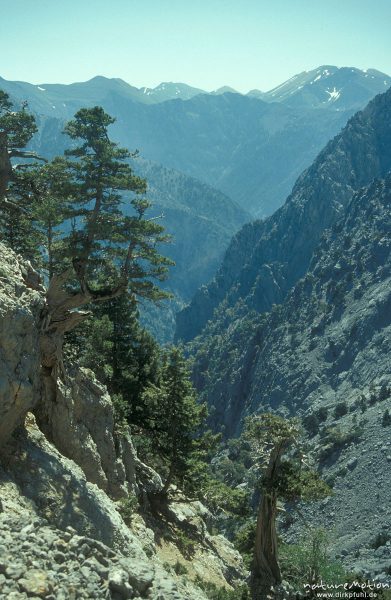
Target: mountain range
226 156
250 147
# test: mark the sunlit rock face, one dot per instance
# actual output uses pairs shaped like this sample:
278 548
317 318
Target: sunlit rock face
21 301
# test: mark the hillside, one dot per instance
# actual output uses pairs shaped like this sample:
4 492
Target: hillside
202 222
267 257
326 347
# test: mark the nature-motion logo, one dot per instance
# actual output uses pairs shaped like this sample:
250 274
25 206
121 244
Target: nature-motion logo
354 589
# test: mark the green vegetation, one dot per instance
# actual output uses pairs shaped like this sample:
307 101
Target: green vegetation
179 568
386 418
286 476
218 593
341 409
312 421
308 561
334 439
380 540
127 507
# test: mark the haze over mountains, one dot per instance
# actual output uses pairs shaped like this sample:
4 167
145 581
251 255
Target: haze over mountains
241 152
250 147
267 257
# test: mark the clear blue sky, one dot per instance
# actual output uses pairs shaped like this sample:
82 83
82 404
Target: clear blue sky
206 43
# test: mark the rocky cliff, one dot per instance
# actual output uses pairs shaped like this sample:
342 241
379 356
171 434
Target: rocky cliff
267 258
74 496
327 346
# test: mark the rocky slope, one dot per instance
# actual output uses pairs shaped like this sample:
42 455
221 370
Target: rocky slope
327 346
267 257
74 497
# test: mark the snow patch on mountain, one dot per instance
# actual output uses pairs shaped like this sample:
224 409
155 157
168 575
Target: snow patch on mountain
333 95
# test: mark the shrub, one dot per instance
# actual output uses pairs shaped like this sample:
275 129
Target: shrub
311 424
322 414
308 561
340 410
380 540
312 421
179 568
219 593
127 507
185 544
386 419
336 439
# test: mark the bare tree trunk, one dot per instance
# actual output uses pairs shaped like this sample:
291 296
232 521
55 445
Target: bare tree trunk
266 570
59 316
5 165
62 313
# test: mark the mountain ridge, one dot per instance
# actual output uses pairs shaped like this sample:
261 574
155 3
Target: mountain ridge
287 239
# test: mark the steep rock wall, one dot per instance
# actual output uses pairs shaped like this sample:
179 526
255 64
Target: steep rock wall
21 302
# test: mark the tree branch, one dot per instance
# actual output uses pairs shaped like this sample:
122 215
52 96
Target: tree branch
14 153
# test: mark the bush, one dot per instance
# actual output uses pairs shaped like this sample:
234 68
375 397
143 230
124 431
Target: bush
185 544
322 414
380 540
219 593
340 410
336 439
386 419
311 424
127 507
179 568
308 561
312 421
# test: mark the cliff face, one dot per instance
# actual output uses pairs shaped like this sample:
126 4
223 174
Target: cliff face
325 338
327 346
20 306
66 490
267 258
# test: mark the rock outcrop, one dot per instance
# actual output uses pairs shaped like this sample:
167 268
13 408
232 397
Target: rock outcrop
80 423
66 487
20 306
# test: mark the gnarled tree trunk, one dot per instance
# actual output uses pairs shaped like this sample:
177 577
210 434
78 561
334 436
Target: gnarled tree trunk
5 165
266 570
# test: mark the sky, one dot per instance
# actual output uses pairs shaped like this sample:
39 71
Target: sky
245 44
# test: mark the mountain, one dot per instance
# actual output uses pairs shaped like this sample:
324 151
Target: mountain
323 354
330 87
226 89
249 149
63 101
266 258
202 222
170 91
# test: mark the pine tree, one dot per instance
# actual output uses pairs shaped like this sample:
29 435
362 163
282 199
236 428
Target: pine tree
175 419
16 203
285 476
109 253
51 189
